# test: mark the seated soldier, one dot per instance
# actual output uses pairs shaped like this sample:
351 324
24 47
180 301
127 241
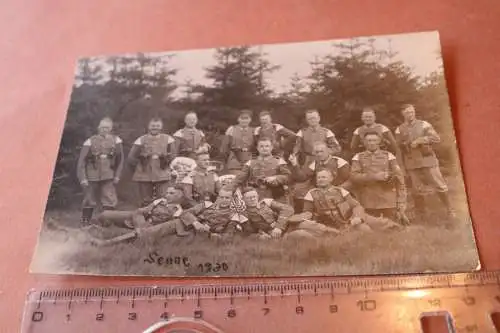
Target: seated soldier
218 216
305 176
265 218
267 174
334 207
201 184
166 211
379 180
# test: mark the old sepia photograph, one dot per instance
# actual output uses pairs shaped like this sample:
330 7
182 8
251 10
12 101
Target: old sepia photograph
315 158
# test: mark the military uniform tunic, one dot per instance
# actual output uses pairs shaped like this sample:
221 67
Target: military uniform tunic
238 147
201 185
278 134
420 161
219 219
150 157
266 216
332 206
255 171
100 161
306 176
188 141
388 140
375 194
307 137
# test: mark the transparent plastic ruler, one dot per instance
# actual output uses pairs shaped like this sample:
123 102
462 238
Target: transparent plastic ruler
424 303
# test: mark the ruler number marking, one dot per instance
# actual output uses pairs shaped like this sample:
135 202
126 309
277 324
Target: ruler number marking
334 308
266 311
299 310
198 314
132 316
99 317
469 300
231 313
164 316
367 305
37 316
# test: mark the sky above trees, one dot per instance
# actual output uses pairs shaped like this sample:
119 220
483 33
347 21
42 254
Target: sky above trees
419 51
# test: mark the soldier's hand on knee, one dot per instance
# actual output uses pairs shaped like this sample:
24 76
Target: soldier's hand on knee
293 160
276 233
200 227
84 183
116 180
264 236
356 220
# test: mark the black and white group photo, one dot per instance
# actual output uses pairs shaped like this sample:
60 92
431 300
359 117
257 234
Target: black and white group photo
334 157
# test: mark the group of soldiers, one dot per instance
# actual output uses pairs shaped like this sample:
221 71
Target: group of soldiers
276 182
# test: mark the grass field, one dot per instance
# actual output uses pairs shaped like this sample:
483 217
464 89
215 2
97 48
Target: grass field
428 247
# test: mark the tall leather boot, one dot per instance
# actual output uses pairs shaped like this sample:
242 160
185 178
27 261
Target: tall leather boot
298 205
86 216
445 199
420 212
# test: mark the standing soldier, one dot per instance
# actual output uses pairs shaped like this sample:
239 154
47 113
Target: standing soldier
202 184
99 168
238 144
369 125
268 174
190 140
415 138
381 188
279 135
307 136
305 176
150 157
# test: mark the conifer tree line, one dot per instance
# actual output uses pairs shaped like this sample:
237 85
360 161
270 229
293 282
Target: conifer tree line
135 87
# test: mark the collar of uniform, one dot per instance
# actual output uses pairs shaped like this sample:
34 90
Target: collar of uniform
201 171
190 128
373 152
264 202
411 123
327 188
315 129
312 166
178 210
261 158
271 125
244 128
371 126
326 161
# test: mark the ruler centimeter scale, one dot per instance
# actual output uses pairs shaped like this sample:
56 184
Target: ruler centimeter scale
466 303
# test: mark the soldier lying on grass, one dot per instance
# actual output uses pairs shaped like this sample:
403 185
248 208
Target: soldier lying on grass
333 207
264 219
164 216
